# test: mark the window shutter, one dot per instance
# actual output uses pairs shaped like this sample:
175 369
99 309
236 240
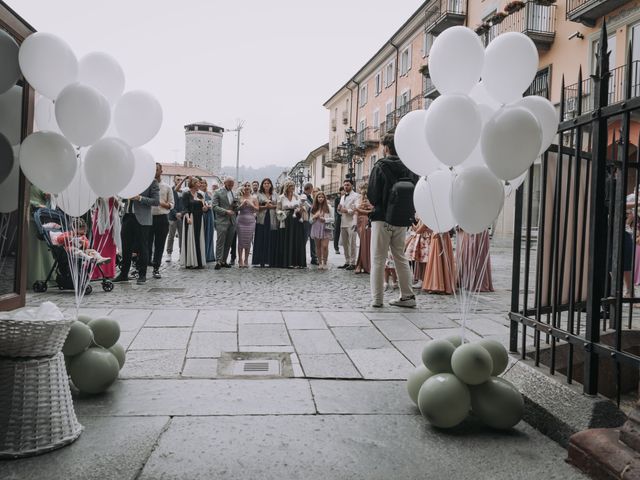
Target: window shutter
409 58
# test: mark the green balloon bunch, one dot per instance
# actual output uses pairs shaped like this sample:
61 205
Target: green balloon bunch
458 378
92 356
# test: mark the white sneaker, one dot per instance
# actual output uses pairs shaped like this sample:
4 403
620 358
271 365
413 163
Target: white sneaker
408 302
377 304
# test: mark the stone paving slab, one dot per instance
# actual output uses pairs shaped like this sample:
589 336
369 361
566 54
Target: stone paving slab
412 349
216 321
309 342
92 312
153 363
484 326
172 318
361 397
436 333
200 397
130 319
252 317
381 363
268 348
399 329
160 338
126 338
108 449
304 320
329 366
200 368
211 344
360 337
263 334
371 447
430 320
346 319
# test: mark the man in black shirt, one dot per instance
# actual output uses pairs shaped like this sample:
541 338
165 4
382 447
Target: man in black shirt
338 221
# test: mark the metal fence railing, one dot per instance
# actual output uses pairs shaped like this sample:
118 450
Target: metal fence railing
533 19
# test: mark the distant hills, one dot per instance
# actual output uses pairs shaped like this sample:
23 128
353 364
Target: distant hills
250 173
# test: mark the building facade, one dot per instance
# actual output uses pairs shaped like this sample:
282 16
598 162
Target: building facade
396 79
203 146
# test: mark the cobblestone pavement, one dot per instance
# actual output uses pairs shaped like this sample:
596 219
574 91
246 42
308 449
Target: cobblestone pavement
338 410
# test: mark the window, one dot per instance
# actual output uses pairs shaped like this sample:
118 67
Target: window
372 161
404 103
427 43
322 160
359 170
363 95
405 61
389 74
378 82
376 119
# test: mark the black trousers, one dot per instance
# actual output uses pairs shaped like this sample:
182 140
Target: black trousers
233 247
134 238
157 238
312 244
336 232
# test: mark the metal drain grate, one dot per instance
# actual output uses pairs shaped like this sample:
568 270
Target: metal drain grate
257 367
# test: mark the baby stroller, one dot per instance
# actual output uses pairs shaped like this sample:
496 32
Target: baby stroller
52 221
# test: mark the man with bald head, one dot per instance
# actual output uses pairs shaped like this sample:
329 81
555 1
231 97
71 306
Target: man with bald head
225 205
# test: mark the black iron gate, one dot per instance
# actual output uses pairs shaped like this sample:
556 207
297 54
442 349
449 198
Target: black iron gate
570 309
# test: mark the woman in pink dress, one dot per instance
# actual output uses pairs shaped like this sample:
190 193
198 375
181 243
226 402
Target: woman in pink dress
440 274
417 249
364 208
474 262
106 236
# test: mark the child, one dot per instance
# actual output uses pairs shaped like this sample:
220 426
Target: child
75 242
390 275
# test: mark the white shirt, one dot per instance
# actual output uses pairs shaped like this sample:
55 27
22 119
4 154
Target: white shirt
292 204
166 195
349 203
230 196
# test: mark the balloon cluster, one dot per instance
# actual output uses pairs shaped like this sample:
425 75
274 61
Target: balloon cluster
82 106
92 354
457 379
479 133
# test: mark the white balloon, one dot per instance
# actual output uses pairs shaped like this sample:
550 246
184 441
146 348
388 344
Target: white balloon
48 63
476 158
138 117
78 197
512 185
108 166
82 113
511 142
104 73
11 114
510 65
480 95
455 60
547 117
432 200
9 187
411 144
453 128
10 71
48 160
477 197
45 115
143 174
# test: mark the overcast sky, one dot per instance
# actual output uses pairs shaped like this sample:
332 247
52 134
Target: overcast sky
271 63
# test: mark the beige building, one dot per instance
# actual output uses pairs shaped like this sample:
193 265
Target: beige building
396 79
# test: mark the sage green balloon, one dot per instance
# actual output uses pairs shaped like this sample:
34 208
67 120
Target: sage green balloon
499 355
444 400
106 331
78 339
497 403
84 318
456 340
415 381
471 363
436 356
118 351
94 370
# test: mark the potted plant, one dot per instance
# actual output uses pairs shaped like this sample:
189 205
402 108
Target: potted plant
482 28
545 3
497 18
424 69
513 6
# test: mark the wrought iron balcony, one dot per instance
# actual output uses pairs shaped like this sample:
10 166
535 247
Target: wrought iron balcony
588 12
576 104
537 21
445 14
392 119
541 84
429 89
368 137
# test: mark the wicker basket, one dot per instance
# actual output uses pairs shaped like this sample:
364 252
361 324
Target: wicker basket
36 409
32 338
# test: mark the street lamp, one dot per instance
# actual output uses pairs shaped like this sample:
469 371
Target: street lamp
299 177
349 152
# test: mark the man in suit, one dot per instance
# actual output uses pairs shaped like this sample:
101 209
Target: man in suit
225 205
308 191
136 224
337 221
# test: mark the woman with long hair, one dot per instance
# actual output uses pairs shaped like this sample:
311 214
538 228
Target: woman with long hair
364 208
291 241
105 236
246 224
264 243
193 251
321 227
209 223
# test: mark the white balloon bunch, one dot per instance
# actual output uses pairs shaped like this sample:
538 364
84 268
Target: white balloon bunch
83 105
479 133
